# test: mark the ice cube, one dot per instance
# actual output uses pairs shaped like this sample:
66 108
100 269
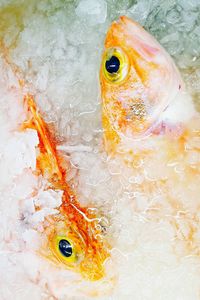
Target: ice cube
93 11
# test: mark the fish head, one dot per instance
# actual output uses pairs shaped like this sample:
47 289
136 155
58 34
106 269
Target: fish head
75 241
74 238
138 81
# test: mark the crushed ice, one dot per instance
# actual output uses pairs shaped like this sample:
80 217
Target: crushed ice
56 46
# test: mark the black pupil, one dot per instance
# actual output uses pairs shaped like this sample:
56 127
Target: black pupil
112 65
65 248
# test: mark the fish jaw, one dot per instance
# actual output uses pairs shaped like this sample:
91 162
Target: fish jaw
133 107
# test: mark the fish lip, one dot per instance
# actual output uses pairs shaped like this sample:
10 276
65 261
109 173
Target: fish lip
124 20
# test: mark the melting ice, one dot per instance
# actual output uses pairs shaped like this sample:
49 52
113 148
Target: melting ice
56 46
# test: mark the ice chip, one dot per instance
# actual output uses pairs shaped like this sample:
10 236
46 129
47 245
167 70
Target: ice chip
173 16
31 237
56 47
39 216
94 11
24 155
49 198
140 11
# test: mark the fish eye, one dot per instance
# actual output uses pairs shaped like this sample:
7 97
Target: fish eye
112 64
115 65
64 249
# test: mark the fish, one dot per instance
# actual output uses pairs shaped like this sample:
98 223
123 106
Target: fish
151 129
141 87
73 239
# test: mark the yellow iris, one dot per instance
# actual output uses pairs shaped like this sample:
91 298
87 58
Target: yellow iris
115 65
64 250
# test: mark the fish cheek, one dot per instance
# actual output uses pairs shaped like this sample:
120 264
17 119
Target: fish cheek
123 107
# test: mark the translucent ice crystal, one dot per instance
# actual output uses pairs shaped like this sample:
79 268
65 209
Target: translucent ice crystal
94 11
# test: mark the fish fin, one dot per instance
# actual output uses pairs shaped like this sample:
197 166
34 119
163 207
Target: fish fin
47 160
